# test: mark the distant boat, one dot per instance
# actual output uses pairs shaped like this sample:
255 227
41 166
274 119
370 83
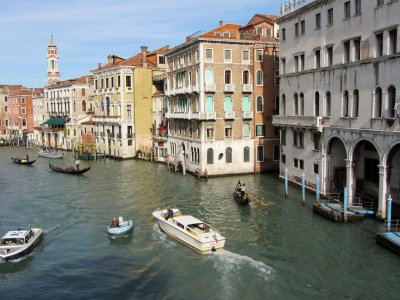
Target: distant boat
69 170
22 161
50 153
190 231
19 242
120 227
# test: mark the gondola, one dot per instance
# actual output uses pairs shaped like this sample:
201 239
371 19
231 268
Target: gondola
21 161
69 170
238 197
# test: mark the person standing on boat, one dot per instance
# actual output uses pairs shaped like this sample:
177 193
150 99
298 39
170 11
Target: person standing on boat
170 213
27 157
77 162
242 190
114 222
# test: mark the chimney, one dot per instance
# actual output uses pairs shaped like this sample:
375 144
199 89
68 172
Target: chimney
221 23
99 66
144 56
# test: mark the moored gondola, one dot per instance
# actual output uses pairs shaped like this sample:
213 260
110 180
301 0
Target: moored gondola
21 161
69 170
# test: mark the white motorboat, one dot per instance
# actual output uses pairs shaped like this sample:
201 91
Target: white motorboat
50 153
189 230
19 242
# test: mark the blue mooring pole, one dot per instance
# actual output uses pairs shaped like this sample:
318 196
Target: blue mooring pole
303 189
389 213
286 182
345 205
317 188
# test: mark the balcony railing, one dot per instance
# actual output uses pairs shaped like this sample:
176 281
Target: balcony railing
229 115
247 115
229 88
207 115
210 87
298 121
247 88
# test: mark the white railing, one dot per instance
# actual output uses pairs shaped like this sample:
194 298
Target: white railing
247 115
229 115
210 87
229 87
247 88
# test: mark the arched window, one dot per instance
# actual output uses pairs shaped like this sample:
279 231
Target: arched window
356 96
197 76
259 77
345 104
283 105
391 101
210 156
246 77
209 76
316 104
328 104
246 104
228 104
276 106
228 155
108 106
260 103
246 154
209 104
228 76
210 132
83 105
246 130
301 104
296 104
378 103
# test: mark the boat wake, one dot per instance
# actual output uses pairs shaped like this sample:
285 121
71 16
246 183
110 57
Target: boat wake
46 231
161 237
233 264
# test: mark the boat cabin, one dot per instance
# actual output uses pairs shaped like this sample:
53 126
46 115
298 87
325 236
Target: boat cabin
17 237
191 224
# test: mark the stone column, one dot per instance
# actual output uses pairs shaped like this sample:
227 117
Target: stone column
350 180
325 173
383 186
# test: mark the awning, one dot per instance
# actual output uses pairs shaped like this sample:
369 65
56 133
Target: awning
56 121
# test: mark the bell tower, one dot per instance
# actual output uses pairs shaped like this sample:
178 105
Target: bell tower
53 75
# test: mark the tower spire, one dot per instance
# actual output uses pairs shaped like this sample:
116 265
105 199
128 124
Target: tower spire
53 74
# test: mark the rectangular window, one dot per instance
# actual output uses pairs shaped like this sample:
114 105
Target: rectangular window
128 81
209 55
259 55
161 60
269 32
301 164
246 56
283 158
393 41
210 132
347 10
296 162
129 111
119 80
303 27
329 55
106 83
260 130
228 131
317 55
317 141
23 110
24 122
189 57
102 83
330 16
301 62
283 66
379 44
357 49
296 63
318 21
275 152
283 33
112 82
283 137
260 153
258 30
296 29
346 51
316 169
380 2
276 56
227 55
357 7
246 130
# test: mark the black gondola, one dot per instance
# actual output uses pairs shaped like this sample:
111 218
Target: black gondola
21 161
69 170
237 195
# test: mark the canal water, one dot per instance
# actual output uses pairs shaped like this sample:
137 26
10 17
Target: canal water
282 251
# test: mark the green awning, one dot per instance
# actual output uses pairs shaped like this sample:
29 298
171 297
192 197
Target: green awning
56 121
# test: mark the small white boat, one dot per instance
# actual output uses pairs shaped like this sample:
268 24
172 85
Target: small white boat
120 227
19 242
189 230
50 153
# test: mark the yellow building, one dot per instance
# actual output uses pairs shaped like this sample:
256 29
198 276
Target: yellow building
122 103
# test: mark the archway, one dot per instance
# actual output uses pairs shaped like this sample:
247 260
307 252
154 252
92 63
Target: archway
336 165
393 179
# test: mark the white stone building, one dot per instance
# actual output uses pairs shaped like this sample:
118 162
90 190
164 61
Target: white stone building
339 67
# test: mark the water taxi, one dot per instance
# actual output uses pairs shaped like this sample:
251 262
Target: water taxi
189 230
19 242
50 153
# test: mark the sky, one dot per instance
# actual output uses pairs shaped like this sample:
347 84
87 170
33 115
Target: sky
87 31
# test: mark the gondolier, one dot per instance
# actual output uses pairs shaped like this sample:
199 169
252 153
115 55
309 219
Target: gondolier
77 162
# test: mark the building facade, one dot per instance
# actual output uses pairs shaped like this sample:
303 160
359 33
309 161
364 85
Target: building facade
219 107
338 116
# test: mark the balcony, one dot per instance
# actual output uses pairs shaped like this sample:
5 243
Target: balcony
247 88
210 88
196 88
129 135
299 121
229 88
229 115
107 120
207 115
247 115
